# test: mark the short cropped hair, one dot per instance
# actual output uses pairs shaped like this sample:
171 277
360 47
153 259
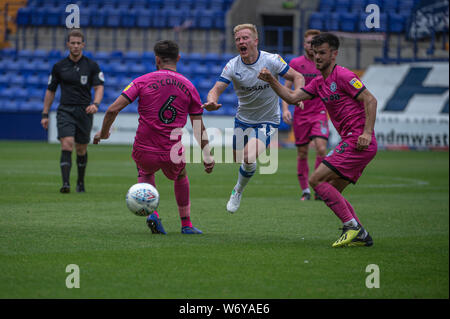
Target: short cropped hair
249 26
331 39
312 32
167 50
75 33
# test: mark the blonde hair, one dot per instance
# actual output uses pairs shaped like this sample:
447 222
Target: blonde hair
312 32
249 26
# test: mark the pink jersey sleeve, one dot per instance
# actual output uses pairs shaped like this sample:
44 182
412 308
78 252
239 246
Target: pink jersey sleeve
350 83
311 88
195 106
131 92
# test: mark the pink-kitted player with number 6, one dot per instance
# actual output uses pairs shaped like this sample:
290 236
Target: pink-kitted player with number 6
166 98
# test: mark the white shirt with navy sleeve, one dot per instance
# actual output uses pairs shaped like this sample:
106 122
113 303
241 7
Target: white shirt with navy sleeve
258 102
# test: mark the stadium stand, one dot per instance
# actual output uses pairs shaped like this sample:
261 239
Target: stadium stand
350 15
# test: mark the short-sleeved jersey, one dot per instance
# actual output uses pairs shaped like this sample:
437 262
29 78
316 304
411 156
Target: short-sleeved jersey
258 103
339 92
165 100
308 69
76 80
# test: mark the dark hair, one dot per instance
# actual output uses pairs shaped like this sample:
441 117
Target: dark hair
75 33
167 50
331 39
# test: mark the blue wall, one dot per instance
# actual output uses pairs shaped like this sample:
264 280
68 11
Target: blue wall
21 126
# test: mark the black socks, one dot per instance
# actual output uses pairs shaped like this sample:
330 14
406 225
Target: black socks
66 164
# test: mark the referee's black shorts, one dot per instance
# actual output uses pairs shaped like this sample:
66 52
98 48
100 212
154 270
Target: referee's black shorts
72 120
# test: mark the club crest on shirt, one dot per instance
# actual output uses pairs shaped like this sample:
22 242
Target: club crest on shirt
356 83
83 79
333 86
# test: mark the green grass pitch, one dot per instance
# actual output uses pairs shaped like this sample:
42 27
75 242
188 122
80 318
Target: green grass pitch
274 247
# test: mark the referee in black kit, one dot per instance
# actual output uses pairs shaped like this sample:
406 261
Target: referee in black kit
76 74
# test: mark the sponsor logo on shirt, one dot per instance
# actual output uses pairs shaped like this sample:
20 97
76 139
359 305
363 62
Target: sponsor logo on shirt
281 59
356 83
129 85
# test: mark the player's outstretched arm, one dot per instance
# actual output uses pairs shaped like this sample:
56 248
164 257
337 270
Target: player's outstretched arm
110 116
370 107
213 96
201 136
286 114
290 96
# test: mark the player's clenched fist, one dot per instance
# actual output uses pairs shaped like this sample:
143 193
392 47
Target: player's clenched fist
211 106
265 75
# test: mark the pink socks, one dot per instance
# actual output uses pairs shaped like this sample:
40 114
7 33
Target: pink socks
302 172
335 201
181 188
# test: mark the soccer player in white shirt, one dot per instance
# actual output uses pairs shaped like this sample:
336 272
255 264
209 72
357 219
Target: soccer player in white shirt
258 113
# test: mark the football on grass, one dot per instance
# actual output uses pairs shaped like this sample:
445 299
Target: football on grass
142 199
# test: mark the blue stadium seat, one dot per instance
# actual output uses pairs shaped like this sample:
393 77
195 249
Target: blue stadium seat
348 22
332 22
219 20
326 5
98 19
53 17
7 94
128 18
32 81
217 5
357 6
137 70
9 105
405 6
227 4
25 54
160 19
342 6
101 56
38 16
155 4
201 5
85 16
112 17
390 6
24 16
144 18
139 4
186 5
170 4
175 17
397 23
133 56
317 21
205 19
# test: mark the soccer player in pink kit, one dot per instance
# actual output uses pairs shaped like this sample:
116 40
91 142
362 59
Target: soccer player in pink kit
352 109
310 124
165 100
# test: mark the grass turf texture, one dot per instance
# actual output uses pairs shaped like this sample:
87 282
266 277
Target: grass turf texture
275 246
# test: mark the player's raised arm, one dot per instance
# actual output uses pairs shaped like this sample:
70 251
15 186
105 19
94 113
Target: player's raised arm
290 96
110 115
211 103
370 107
291 77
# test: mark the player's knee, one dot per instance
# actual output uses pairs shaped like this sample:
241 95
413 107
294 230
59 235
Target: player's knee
182 175
314 180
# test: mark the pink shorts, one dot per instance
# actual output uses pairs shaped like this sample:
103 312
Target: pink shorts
310 127
348 162
148 163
